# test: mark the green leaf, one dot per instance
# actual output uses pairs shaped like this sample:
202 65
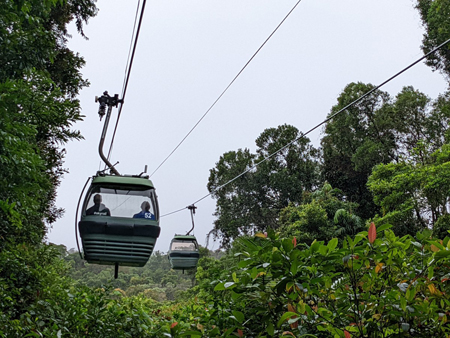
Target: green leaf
219 287
287 245
403 303
323 250
239 316
285 316
244 263
442 254
332 244
270 329
384 227
229 331
235 296
315 246
410 294
430 272
294 267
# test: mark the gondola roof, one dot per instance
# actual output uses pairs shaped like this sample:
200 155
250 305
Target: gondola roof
185 237
125 180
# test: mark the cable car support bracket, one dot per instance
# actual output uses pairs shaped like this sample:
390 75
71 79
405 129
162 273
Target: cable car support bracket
106 101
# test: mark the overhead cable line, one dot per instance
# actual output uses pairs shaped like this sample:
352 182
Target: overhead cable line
317 126
128 67
226 89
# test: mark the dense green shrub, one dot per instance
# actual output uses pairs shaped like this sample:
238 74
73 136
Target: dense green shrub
375 285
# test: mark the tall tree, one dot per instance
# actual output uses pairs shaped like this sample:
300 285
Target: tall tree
379 130
416 119
253 201
355 141
39 80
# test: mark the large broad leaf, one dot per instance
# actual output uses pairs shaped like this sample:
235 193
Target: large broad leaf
315 246
239 316
219 287
332 244
384 227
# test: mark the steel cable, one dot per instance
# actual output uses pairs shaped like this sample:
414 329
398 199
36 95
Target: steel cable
128 72
226 89
318 125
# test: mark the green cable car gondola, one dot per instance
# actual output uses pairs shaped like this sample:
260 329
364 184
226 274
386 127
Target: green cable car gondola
183 253
119 221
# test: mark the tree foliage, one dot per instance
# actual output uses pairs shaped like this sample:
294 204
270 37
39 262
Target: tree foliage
39 80
253 201
322 216
155 280
435 16
414 193
378 130
357 140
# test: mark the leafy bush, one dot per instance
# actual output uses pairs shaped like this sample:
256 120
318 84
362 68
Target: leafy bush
375 285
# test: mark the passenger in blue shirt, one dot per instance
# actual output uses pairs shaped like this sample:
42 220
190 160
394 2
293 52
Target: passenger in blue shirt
145 212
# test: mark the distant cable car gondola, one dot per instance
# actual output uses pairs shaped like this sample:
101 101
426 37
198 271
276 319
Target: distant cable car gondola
183 251
119 221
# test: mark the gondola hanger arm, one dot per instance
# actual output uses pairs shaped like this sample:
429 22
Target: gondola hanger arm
106 101
192 208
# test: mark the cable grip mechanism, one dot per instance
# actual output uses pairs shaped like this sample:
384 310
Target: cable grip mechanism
107 100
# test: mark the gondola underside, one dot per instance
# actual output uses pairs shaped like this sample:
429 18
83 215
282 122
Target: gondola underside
183 260
125 242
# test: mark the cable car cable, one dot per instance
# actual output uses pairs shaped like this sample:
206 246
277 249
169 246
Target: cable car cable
128 72
226 89
131 48
320 124
174 212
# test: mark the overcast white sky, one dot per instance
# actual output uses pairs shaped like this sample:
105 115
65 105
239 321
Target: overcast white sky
189 51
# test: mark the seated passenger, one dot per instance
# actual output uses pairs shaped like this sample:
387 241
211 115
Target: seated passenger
98 208
145 212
